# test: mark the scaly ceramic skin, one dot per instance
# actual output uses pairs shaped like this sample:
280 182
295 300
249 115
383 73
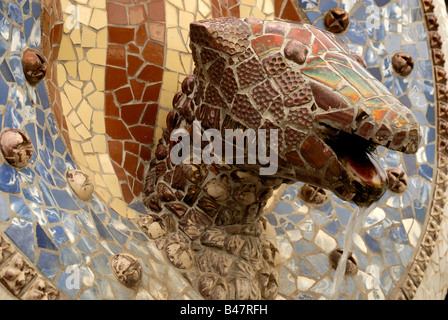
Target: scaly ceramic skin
330 114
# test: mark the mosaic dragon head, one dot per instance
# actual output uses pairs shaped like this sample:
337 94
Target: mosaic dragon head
330 112
330 115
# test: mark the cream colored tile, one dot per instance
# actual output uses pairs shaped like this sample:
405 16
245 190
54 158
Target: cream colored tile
61 74
99 182
66 51
187 62
158 134
66 106
74 94
166 99
185 18
204 9
99 77
131 214
73 119
87 148
74 136
83 132
98 125
78 154
174 40
96 100
113 185
97 56
84 70
72 69
75 36
268 7
104 194
257 13
245 11
84 112
98 4
161 117
99 19
88 88
101 38
79 52
171 15
191 5
94 164
173 63
119 206
78 84
85 13
99 143
88 38
106 165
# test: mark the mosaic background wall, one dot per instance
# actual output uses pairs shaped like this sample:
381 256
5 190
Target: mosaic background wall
113 68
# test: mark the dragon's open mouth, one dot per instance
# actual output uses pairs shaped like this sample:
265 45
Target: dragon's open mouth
368 179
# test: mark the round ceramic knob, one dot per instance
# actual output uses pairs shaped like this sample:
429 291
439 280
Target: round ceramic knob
80 183
16 147
34 66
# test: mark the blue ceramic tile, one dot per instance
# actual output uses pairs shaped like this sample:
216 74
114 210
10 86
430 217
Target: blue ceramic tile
92 293
14 13
305 269
4 27
87 245
426 172
6 72
4 91
59 164
9 179
12 118
52 215
29 23
284 208
26 7
46 194
3 47
15 63
70 257
43 172
35 8
43 241
121 238
4 208
69 283
43 95
140 236
101 264
48 263
59 145
71 227
59 235
22 234
18 205
31 193
58 179
64 200
40 135
35 35
40 117
102 231
46 157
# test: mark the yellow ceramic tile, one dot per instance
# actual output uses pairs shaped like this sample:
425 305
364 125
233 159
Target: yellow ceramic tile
88 38
79 52
159 134
84 70
84 112
74 94
94 165
105 164
66 106
75 36
166 99
83 132
171 15
190 5
78 154
88 88
177 3
250 3
87 148
99 143
113 185
78 84
99 77
99 19
119 206
61 75
104 194
161 117
174 40
268 7
245 11
185 34
98 4
72 69
131 214
99 182
257 13
84 14
74 136
65 4
82 1
96 100
70 20
173 63
101 38
187 63
185 18
73 119
97 56
204 9
66 51
98 125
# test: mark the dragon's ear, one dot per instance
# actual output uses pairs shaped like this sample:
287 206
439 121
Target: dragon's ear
229 35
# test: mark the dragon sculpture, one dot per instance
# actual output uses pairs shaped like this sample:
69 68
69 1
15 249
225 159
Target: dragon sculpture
330 115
